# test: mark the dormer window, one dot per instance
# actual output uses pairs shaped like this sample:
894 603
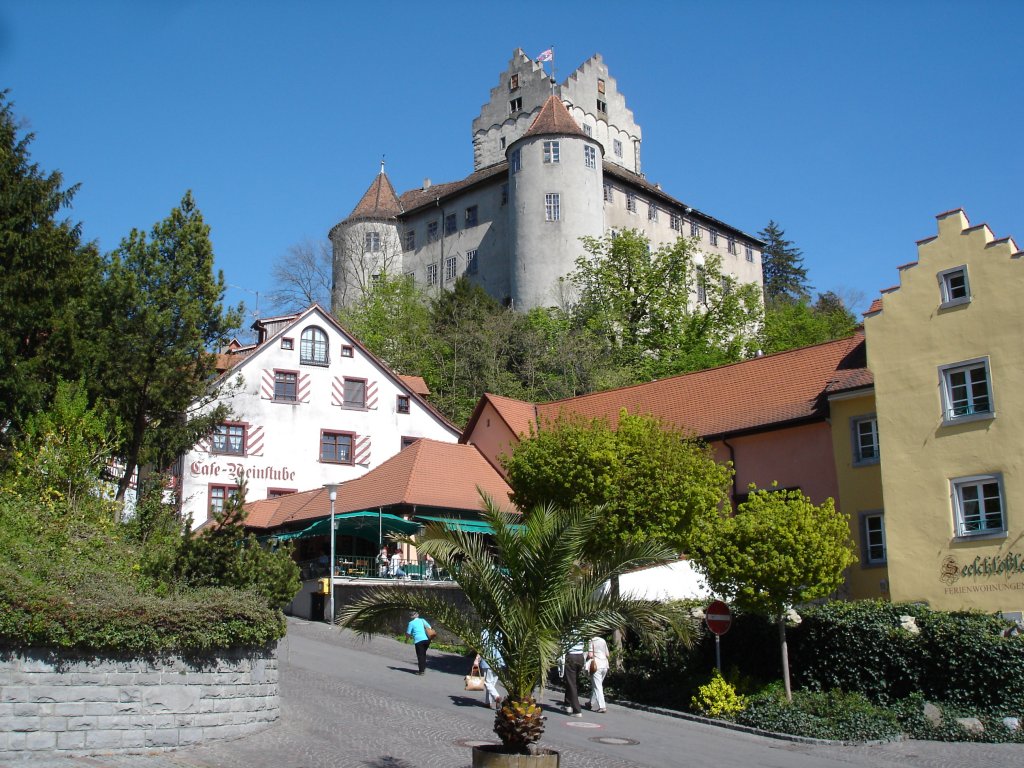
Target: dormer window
313 347
954 287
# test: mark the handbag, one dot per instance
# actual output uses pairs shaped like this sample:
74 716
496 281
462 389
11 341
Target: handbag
592 666
431 633
474 680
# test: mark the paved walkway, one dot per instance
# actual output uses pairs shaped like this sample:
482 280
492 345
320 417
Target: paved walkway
353 703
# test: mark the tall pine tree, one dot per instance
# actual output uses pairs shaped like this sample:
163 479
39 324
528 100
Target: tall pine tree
782 267
155 357
45 272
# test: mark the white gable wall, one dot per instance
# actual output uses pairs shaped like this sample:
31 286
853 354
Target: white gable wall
282 440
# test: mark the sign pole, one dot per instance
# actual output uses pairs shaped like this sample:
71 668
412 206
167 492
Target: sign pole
718 652
718 617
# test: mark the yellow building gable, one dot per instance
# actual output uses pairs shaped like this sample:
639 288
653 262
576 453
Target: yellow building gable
947 354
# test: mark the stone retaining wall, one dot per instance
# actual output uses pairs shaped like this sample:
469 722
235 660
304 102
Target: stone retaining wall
81 706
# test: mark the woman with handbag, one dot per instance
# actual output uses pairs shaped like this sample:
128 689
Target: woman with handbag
492 699
597 668
421 633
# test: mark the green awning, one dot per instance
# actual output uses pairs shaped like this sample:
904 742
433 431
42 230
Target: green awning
366 524
469 526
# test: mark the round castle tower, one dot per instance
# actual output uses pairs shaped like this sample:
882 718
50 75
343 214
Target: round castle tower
366 243
556 196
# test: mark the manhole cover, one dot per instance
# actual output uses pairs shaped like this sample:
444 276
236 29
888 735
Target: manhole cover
581 724
474 743
616 741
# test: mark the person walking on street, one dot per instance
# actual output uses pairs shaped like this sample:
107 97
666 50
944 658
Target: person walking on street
418 631
492 699
597 667
573 666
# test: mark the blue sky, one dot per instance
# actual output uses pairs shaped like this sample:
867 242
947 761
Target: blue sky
852 124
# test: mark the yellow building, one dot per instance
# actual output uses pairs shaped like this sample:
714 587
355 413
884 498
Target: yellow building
946 353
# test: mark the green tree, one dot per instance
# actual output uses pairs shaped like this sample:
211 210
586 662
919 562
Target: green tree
533 591
154 362
782 267
792 324
224 554
663 311
44 273
778 550
652 481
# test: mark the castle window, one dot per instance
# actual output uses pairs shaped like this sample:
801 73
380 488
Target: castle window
609 196
449 268
732 245
471 216
431 274
617 147
313 347
978 505
590 157
675 221
694 229
372 241
409 239
504 194
516 105
600 85
588 130
450 224
652 212
471 262
513 82
431 231
515 162
954 287
336 447
602 107
550 151
631 202
965 391
750 254
501 142
402 404
712 236
552 207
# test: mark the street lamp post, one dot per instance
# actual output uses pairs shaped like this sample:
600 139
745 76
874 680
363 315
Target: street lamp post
332 492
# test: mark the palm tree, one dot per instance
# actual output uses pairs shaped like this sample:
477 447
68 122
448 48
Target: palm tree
534 589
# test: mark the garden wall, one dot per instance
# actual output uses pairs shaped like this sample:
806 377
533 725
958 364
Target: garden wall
86 705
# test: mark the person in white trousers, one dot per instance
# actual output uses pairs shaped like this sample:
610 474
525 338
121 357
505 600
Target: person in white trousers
597 652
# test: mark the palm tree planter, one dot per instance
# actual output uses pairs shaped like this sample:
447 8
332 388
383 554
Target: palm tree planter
533 590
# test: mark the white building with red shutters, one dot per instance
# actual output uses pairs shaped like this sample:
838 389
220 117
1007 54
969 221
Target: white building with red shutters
309 405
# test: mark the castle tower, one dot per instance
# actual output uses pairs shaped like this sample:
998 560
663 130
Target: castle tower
367 243
555 196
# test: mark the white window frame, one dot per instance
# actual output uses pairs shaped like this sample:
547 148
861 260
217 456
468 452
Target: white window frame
631 202
675 221
712 236
588 130
552 206
860 459
372 241
551 152
432 274
451 265
471 262
695 229
872 531
652 212
731 246
702 286
617 147
948 287
965 405
976 483
609 195
750 254
589 156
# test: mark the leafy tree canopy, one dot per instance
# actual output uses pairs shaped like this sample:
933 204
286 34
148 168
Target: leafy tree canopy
792 324
653 481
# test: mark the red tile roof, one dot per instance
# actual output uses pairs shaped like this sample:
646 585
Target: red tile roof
763 393
415 383
416 198
554 118
426 475
379 202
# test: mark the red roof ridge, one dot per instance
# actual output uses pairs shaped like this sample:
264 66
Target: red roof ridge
378 202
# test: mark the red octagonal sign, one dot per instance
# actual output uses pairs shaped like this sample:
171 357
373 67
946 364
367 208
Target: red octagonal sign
718 617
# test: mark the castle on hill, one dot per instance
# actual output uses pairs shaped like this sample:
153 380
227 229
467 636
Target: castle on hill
551 163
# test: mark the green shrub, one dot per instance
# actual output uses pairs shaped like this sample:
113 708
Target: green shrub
718 698
820 715
910 712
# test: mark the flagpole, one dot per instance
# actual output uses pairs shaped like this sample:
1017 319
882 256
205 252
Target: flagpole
553 81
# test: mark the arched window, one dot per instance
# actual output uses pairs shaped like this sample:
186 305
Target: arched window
313 347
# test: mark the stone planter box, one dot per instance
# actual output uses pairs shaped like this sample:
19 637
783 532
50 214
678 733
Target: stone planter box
83 705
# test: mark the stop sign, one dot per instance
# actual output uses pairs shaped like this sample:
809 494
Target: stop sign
718 617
